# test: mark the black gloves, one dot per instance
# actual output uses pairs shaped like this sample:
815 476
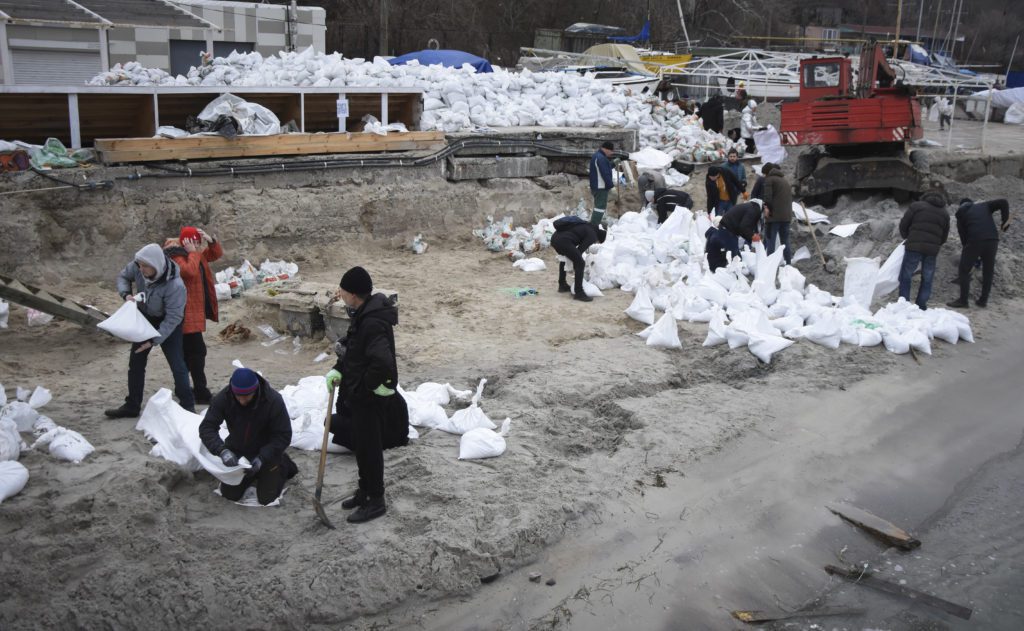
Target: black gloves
229 458
255 465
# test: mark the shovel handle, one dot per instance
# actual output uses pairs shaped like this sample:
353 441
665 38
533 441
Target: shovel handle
323 448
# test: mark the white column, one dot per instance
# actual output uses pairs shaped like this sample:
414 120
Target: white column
76 129
383 108
209 42
5 56
104 50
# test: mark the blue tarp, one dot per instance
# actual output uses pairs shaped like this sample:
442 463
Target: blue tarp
1015 79
643 36
448 58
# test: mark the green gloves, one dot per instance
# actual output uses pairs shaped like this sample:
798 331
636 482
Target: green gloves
383 391
333 379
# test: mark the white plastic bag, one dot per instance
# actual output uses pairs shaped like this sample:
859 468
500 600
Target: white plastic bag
665 333
13 477
530 265
38 318
483 443
860 280
589 289
889 273
129 324
5 311
10 440
716 329
469 418
845 230
65 444
764 347
769 145
641 308
21 414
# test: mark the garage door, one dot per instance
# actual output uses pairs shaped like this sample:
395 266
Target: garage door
54 67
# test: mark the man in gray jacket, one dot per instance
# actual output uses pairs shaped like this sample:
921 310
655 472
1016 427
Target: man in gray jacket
162 301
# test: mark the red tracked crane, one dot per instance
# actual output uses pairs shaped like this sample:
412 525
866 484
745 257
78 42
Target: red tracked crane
863 126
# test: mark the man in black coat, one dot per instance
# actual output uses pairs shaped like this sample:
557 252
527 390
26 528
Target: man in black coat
722 189
718 243
980 240
572 238
712 114
258 429
925 226
666 200
744 220
366 374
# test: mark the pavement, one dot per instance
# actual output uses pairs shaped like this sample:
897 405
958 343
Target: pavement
968 135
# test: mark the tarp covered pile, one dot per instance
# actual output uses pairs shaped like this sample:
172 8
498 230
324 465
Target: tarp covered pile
753 302
457 99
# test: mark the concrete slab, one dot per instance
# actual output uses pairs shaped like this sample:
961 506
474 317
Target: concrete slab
496 167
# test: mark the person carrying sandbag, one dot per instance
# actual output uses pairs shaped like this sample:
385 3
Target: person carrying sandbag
366 375
258 429
571 239
162 299
193 251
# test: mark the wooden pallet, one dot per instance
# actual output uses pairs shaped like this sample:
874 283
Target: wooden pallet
41 300
117 150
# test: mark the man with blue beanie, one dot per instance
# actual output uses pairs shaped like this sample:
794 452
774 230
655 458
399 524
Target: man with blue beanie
258 429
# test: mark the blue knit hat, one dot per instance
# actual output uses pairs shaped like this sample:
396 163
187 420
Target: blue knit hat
244 381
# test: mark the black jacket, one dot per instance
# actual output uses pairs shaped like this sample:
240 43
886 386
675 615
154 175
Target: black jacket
716 249
712 113
580 234
743 220
732 186
261 428
368 360
666 199
925 225
974 221
778 195
758 191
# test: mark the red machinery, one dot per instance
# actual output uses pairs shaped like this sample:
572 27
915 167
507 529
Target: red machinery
863 126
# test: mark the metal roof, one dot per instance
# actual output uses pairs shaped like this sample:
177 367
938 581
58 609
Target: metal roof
156 13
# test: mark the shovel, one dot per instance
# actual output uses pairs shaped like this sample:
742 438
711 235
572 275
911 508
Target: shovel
323 463
810 228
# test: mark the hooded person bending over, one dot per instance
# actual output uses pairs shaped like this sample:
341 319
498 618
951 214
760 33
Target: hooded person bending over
980 240
572 238
744 220
666 200
258 429
153 275
366 375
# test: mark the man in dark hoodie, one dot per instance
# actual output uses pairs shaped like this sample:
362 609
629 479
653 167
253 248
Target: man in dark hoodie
258 430
719 244
778 200
744 221
722 189
666 200
980 240
366 374
162 301
572 238
925 226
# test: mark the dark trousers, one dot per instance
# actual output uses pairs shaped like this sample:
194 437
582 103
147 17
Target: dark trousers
269 484
751 148
722 206
194 349
568 249
910 262
945 119
986 251
730 241
778 229
175 359
368 415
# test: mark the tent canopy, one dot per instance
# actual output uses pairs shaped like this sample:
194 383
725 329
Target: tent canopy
448 58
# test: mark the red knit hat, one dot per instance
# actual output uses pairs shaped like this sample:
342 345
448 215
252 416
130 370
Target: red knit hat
188 233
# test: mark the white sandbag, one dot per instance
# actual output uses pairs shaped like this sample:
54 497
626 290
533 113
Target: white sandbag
868 337
765 346
10 440
943 327
483 443
176 433
469 418
22 414
646 333
804 214
825 332
787 323
888 279
530 265
3 396
129 324
641 309
65 444
13 478
652 159
860 280
42 425
802 254
769 145
790 279
918 340
5 312
716 329
589 289
710 290
439 393
223 291
665 333
427 414
895 343
845 230
39 397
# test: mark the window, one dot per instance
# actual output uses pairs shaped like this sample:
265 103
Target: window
829 34
821 76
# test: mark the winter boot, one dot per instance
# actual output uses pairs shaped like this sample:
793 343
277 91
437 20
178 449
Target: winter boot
957 304
358 499
372 509
582 297
125 411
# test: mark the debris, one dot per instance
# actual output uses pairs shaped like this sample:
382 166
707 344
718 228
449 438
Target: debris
418 245
884 530
490 579
38 318
550 582
865 578
235 332
844 230
535 577
321 357
767 616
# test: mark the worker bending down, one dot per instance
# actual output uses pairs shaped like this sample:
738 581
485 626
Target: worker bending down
574 236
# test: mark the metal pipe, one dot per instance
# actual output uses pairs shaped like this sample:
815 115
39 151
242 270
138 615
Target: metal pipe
1012 54
899 23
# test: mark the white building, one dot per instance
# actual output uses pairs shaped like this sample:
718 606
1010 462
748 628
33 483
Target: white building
66 42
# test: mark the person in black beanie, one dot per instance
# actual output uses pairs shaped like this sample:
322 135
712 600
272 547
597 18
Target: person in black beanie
366 375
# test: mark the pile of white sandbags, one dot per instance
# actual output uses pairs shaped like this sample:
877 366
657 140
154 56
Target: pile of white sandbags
753 302
458 99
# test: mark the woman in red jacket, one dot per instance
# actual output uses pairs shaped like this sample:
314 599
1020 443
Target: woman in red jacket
193 251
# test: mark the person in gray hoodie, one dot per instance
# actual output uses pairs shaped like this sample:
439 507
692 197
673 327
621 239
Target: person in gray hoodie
161 300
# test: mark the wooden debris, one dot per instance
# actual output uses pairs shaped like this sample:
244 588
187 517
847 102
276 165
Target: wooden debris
767 616
876 526
866 579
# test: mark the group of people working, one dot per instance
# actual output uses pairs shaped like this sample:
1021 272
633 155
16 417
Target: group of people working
173 288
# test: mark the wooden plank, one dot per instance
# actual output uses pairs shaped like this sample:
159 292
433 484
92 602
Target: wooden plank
754 617
866 579
152 149
876 526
